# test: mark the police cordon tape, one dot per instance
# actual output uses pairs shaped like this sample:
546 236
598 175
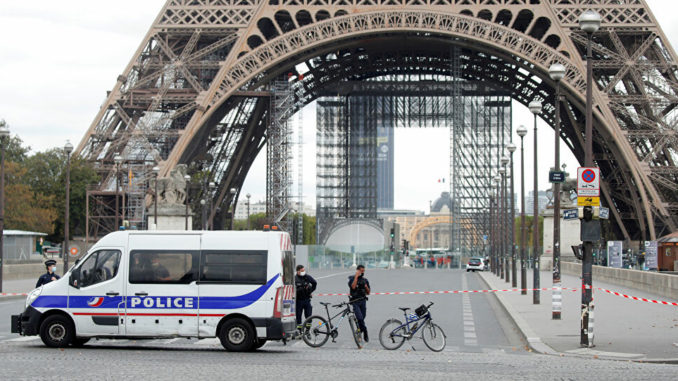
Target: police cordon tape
675 304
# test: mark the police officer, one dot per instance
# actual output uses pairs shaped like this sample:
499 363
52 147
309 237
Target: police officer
50 275
305 285
359 288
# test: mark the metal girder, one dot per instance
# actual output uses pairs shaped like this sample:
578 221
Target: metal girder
213 49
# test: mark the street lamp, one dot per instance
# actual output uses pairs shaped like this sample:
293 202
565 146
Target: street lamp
535 108
522 131
233 191
504 219
248 210
210 222
514 280
589 22
118 161
156 171
68 148
497 230
4 135
203 223
187 178
557 73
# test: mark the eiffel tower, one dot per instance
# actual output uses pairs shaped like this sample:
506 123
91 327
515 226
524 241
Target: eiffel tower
213 81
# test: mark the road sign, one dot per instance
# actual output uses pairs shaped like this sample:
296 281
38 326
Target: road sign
588 201
570 214
604 213
588 182
74 251
556 176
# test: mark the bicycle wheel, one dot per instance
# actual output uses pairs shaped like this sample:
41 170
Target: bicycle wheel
315 331
357 334
433 336
392 334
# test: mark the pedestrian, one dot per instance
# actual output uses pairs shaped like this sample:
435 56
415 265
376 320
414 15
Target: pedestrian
50 275
305 285
359 288
641 261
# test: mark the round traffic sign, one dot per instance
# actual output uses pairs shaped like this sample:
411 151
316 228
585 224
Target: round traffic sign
74 251
588 175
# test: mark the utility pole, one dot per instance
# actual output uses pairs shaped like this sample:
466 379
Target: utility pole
535 108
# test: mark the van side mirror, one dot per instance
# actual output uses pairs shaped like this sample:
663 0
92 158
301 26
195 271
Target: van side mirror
74 279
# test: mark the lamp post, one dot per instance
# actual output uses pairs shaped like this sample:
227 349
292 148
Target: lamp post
589 22
156 171
211 186
491 229
187 178
556 72
504 219
68 148
535 108
514 279
233 192
522 131
248 210
4 135
497 229
118 161
203 221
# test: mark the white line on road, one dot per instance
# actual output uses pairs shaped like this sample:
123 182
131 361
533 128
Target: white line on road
24 338
470 338
331 275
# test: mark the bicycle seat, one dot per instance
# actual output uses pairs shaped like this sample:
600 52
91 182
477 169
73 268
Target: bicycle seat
325 303
404 309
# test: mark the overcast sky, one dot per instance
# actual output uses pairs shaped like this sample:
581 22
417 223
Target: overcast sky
60 57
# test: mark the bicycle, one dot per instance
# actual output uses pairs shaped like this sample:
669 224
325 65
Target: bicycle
317 330
393 333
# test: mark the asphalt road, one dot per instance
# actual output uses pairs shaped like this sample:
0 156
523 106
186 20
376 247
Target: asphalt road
482 344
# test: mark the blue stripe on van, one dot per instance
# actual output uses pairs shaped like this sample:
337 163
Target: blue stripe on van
206 302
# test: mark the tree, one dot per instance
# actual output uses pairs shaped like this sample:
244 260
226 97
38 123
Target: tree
24 208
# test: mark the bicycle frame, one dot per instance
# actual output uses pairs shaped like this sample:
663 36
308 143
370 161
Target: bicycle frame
410 333
345 312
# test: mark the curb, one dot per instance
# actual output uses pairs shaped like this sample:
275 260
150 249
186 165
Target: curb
537 345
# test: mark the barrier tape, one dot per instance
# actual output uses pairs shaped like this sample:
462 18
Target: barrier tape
13 294
675 304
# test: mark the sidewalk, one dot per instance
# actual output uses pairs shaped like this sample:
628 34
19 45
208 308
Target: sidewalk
624 329
18 286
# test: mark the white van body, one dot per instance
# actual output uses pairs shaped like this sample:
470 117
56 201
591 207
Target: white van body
235 285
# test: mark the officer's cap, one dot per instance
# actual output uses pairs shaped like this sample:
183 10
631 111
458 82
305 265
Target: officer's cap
50 262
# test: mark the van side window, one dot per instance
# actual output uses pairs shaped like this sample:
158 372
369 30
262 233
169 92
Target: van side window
288 267
166 266
99 267
234 266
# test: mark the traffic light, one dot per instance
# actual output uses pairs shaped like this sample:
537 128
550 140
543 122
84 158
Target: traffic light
392 232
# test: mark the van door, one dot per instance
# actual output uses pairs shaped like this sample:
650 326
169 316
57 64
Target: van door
97 303
162 291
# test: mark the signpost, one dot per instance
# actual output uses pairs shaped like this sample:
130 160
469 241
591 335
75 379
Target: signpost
651 255
556 176
614 254
570 214
588 186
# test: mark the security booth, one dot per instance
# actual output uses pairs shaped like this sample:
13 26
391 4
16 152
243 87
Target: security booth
667 252
19 246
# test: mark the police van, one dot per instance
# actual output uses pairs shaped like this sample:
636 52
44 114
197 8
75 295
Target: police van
237 286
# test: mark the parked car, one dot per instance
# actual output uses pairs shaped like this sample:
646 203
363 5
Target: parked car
475 264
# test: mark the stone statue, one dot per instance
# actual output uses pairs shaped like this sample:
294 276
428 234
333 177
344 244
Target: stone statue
172 189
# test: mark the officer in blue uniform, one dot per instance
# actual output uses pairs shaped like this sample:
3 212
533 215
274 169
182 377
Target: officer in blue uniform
50 275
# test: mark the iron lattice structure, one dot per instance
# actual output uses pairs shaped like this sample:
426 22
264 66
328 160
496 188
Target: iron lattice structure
197 90
347 146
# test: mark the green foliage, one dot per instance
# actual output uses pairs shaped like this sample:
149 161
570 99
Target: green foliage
258 220
529 222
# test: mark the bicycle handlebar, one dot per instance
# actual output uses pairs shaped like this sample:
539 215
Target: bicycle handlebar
347 303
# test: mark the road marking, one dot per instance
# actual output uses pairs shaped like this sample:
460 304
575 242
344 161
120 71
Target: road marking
24 338
331 275
210 341
470 338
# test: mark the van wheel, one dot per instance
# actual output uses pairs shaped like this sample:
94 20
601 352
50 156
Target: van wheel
57 331
237 335
258 344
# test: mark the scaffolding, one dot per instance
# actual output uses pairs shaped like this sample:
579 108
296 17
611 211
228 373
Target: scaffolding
278 155
479 120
